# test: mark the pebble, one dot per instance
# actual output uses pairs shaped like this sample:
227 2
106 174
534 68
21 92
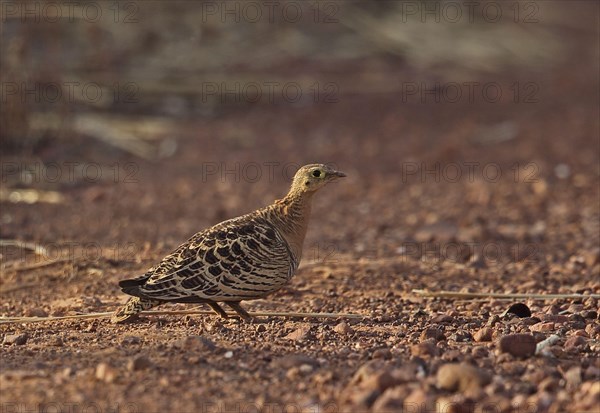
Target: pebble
589 314
543 327
56 342
442 318
555 318
518 345
424 349
483 334
36 312
519 309
419 402
433 333
573 378
139 363
382 353
17 339
129 340
299 334
106 373
575 343
462 377
392 400
343 328
195 343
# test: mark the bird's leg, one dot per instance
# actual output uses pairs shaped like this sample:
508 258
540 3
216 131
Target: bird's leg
217 309
235 305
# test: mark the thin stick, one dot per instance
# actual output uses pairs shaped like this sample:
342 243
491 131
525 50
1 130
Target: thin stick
455 294
22 320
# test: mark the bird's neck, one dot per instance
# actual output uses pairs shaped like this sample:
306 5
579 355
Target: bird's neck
291 216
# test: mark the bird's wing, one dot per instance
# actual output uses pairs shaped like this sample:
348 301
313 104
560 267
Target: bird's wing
238 259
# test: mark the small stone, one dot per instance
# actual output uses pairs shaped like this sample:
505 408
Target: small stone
433 333
343 328
382 353
365 371
592 257
195 343
379 381
573 378
518 345
419 402
555 318
589 314
17 339
424 349
461 337
105 373
228 354
139 363
392 400
455 404
543 327
575 343
576 322
442 318
462 377
519 309
299 334
36 312
480 352
592 373
130 340
483 334
56 342
261 328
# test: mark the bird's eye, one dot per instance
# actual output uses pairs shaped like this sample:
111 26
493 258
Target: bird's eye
316 173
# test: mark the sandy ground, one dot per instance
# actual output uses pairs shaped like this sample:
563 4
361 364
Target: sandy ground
472 197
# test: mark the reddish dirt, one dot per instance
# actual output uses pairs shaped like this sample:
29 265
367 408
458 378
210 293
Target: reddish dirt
400 221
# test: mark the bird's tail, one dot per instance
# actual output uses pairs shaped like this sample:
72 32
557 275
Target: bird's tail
132 308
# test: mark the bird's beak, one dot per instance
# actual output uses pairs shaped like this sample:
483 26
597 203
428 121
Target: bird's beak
338 174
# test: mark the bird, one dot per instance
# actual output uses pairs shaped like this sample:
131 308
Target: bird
243 258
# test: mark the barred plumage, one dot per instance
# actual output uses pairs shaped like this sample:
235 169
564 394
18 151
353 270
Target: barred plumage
243 258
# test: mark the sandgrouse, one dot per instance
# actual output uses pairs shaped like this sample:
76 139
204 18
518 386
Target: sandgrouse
239 259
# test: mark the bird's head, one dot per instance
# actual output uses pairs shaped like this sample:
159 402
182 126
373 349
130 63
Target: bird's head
312 177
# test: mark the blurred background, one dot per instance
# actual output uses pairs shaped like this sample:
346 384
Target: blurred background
131 125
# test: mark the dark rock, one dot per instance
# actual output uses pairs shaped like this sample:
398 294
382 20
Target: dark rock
442 318
139 362
519 309
432 333
518 345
